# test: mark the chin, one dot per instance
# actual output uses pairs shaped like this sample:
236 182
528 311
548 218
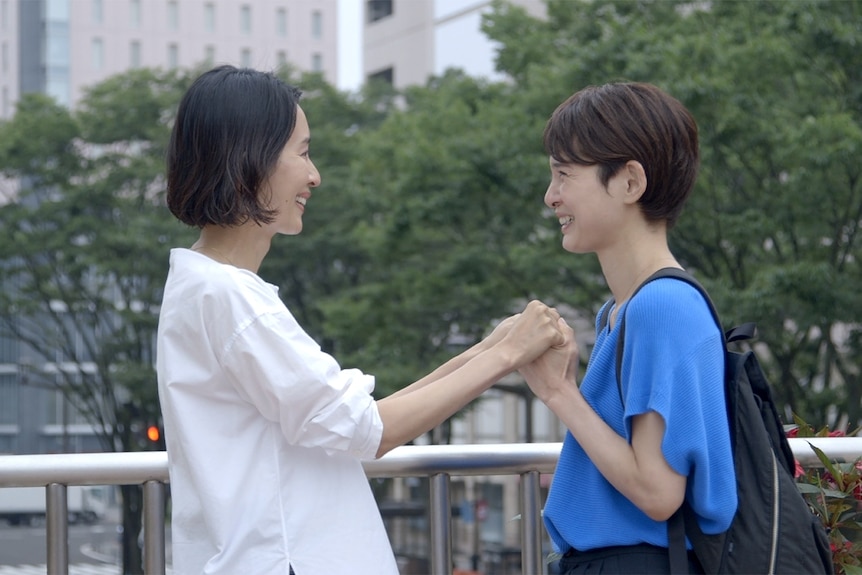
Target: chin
291 230
573 248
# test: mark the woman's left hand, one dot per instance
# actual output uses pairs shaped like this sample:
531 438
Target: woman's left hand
555 369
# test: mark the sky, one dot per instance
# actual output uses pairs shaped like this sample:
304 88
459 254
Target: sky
349 45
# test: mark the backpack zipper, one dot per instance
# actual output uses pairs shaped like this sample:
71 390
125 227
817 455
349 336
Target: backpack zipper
775 499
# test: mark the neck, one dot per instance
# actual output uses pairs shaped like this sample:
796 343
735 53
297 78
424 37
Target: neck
235 246
213 253
627 266
648 269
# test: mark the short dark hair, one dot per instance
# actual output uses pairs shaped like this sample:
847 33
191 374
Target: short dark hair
611 124
230 129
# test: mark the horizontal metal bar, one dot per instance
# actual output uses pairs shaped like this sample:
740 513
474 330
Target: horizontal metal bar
405 461
485 459
841 449
83 468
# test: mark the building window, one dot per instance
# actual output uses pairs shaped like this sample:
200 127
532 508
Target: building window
281 58
173 15
5 58
386 75
281 22
135 54
97 11
173 56
97 54
316 62
245 58
378 9
245 19
316 24
9 386
209 17
135 13
209 54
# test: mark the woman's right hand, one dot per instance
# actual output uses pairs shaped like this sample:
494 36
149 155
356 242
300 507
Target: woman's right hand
532 332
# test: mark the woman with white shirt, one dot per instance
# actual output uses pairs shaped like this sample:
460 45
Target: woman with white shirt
264 431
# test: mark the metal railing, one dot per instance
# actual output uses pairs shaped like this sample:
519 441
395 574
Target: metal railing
436 462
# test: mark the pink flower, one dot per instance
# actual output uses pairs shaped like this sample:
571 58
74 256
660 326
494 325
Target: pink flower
799 471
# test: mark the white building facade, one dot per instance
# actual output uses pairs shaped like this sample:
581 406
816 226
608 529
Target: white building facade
408 41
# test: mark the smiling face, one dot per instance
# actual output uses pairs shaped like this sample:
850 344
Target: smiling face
589 213
292 178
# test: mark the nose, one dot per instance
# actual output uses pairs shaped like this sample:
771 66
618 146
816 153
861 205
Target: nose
313 176
552 197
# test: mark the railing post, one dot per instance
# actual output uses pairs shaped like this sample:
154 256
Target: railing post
441 523
154 528
57 529
531 536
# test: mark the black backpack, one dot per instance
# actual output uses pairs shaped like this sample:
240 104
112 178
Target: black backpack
773 531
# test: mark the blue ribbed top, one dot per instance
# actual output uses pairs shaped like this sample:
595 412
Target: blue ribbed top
673 364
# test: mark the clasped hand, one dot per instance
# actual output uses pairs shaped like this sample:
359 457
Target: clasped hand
533 334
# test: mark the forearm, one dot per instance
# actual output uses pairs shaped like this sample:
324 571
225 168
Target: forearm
442 371
407 415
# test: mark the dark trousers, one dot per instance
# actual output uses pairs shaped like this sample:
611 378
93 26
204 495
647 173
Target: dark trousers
626 560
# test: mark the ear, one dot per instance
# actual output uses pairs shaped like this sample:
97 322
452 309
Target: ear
635 180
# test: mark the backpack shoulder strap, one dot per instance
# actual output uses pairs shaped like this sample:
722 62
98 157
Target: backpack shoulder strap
662 273
740 332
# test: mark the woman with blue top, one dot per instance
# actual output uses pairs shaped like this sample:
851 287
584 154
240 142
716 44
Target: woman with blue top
624 159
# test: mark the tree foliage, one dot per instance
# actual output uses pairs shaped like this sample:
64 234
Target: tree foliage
84 256
772 227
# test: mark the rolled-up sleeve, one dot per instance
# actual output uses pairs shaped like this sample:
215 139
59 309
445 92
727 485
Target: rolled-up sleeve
282 371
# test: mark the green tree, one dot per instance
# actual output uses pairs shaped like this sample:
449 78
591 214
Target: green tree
772 225
85 254
433 210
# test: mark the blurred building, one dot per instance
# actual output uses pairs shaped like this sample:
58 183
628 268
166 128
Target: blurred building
58 47
407 41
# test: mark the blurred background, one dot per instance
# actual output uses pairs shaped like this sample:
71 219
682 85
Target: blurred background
429 226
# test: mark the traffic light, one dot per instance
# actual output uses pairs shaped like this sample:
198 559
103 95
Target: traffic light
152 438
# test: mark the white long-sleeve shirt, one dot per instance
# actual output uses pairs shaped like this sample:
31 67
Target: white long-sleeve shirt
264 433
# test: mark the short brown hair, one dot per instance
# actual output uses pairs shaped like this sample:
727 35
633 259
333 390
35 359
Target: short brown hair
230 129
611 124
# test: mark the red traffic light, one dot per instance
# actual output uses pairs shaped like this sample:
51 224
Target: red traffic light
153 433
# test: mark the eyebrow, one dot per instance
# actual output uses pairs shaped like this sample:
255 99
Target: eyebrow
556 164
